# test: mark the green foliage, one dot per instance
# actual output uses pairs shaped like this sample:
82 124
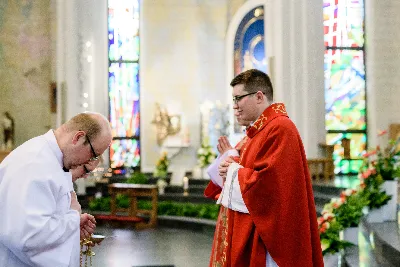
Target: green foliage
376 198
137 178
205 154
205 211
330 239
372 191
122 201
349 213
162 165
100 204
387 160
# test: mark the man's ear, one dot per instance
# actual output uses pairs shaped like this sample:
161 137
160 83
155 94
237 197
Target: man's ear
77 136
260 96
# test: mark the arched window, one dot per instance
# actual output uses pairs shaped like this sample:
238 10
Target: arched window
249 50
345 90
123 83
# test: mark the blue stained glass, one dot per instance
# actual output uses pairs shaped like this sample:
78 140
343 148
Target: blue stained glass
124 99
123 30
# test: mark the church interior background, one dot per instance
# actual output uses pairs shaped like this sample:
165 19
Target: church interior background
160 71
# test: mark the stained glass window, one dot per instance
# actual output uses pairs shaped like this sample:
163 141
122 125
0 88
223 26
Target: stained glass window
124 83
345 87
344 23
249 47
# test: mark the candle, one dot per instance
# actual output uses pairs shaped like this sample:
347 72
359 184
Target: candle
185 183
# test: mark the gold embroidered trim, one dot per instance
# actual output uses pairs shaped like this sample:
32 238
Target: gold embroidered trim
221 248
279 109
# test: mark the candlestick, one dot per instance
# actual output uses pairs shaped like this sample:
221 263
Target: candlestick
185 186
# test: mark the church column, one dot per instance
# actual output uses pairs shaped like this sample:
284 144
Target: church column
60 60
67 60
295 48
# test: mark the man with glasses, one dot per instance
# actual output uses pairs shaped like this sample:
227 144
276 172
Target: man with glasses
41 221
267 193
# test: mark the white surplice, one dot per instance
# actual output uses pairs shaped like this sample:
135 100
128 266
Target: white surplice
37 226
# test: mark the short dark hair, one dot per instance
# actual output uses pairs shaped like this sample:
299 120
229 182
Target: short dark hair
253 81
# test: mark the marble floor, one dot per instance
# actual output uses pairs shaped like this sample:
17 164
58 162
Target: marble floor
154 247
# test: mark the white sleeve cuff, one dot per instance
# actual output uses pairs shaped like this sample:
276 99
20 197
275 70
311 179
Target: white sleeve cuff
231 196
212 170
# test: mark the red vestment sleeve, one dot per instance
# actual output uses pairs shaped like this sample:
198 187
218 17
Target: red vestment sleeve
276 188
212 191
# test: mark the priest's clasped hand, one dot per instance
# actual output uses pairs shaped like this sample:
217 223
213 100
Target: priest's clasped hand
87 225
223 145
223 167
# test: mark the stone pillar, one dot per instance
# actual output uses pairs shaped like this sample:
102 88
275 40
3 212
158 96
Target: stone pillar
382 66
295 48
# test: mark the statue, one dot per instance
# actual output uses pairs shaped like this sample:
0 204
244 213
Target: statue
8 130
166 124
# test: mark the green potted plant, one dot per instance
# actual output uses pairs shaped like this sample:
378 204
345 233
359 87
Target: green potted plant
161 172
380 172
331 244
348 211
137 178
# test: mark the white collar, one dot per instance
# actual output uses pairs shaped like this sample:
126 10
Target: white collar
52 141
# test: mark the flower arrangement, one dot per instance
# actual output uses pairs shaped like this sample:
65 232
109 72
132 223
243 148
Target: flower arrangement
329 229
205 154
162 165
379 166
386 161
346 211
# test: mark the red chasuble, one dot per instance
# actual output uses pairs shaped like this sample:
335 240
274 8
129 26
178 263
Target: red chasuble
276 188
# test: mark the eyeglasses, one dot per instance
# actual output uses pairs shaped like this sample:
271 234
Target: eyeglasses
237 98
94 153
86 169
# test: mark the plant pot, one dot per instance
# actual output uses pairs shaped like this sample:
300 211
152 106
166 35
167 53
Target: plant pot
332 260
161 184
390 209
350 234
375 216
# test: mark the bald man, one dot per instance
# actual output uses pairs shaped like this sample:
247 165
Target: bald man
41 217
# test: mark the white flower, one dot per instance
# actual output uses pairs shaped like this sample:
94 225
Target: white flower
200 151
348 192
328 215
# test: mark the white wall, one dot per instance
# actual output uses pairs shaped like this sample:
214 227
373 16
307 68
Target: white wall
182 65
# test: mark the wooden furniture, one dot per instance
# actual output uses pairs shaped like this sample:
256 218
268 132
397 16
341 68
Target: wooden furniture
133 191
3 154
322 167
